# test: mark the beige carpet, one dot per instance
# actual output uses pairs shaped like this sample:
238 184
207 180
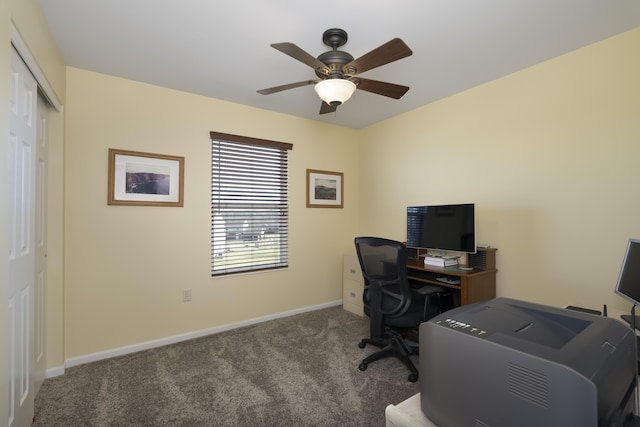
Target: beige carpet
296 371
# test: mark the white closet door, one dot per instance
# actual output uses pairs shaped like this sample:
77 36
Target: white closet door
40 300
22 177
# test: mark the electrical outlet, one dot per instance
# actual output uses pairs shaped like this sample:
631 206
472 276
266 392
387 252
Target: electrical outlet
186 295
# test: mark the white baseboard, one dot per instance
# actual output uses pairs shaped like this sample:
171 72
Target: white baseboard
54 372
87 358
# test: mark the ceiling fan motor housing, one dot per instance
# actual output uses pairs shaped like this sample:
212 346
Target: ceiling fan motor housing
334 59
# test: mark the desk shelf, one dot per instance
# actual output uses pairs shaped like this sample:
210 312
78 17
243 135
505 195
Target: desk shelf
475 286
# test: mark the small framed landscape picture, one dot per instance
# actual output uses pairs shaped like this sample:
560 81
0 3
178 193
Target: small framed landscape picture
324 189
145 179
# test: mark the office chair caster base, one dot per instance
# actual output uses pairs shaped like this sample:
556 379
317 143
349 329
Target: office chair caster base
362 344
413 378
363 367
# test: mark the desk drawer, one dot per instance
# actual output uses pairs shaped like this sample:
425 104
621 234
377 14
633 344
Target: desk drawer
352 296
352 285
351 268
352 291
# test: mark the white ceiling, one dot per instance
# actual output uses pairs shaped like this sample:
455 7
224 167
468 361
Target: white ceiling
221 49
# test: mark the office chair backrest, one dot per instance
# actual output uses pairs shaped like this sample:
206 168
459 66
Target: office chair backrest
384 268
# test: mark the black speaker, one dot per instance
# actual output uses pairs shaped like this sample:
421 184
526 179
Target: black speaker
478 260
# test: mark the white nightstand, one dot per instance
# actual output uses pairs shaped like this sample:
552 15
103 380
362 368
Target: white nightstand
407 414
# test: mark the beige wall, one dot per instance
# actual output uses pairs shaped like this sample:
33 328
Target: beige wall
550 155
126 266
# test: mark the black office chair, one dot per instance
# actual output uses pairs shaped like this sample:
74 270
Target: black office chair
392 305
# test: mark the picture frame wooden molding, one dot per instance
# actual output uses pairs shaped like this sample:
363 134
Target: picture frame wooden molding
145 179
325 189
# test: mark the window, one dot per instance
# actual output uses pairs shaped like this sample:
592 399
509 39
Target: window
249 204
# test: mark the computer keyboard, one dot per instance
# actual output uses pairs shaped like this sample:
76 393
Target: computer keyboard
449 280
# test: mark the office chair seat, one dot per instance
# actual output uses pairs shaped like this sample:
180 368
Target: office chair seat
415 313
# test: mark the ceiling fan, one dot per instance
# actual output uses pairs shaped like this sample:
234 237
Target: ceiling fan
337 70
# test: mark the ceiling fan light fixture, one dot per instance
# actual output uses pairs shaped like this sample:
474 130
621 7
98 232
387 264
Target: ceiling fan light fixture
335 91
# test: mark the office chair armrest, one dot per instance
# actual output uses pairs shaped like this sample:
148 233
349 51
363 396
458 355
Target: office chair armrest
429 290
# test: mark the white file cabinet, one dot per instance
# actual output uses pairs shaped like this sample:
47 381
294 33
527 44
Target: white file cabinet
352 285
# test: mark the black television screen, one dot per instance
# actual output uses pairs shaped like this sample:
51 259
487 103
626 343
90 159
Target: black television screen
442 227
628 286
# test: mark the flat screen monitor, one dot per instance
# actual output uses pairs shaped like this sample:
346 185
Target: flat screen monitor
442 227
628 286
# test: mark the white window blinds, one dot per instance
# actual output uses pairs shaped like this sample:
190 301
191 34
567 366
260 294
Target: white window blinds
249 204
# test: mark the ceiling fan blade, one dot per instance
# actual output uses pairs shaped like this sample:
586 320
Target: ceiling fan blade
391 51
275 89
327 108
296 53
381 88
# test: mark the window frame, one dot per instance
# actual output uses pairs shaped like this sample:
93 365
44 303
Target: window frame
234 173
